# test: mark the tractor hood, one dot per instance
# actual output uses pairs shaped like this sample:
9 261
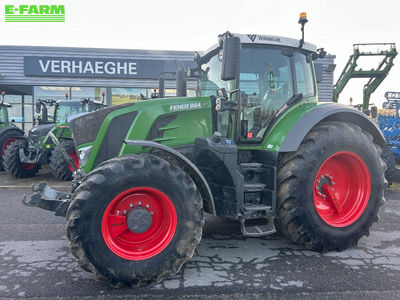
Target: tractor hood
40 131
171 121
84 127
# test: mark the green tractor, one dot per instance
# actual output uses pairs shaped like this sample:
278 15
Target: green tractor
254 146
8 131
24 156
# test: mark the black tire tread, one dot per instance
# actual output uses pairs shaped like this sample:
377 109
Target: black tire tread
58 165
108 169
290 168
391 174
12 163
12 132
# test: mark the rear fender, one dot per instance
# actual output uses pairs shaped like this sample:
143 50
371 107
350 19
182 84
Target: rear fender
11 127
329 112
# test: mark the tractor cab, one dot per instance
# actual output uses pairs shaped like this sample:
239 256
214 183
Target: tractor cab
63 109
272 73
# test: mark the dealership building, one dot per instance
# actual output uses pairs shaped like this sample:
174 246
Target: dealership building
28 73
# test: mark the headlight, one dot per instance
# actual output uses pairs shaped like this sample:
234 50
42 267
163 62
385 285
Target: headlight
84 154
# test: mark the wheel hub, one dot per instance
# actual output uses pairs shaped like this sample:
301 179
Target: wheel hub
138 220
139 223
324 182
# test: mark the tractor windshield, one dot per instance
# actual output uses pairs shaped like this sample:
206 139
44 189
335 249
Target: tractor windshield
3 114
66 109
210 78
270 76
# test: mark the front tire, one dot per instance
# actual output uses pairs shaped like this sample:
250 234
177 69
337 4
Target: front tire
59 167
135 219
331 188
12 163
5 140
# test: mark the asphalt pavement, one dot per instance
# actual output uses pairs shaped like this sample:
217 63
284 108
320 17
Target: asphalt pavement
35 261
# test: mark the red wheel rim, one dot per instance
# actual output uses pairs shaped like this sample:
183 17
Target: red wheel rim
74 157
138 246
28 166
6 144
341 189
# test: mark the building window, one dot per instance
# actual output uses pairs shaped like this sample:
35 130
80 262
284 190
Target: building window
127 95
21 111
94 93
51 92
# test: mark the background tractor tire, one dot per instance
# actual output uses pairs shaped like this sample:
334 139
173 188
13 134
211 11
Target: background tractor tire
391 173
159 201
58 165
12 163
5 140
331 188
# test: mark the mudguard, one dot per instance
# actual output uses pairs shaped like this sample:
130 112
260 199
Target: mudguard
198 178
9 127
329 112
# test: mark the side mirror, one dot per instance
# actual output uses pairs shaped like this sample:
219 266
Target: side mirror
230 58
38 107
180 79
374 112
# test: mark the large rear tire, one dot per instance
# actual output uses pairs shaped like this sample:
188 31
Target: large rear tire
331 188
12 163
5 140
135 219
59 167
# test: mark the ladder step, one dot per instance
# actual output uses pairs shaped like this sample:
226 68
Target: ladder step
254 187
256 207
257 227
251 166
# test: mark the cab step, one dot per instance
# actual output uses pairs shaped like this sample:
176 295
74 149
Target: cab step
256 207
254 187
257 167
257 227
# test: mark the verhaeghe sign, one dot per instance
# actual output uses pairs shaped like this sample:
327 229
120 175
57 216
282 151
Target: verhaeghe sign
97 67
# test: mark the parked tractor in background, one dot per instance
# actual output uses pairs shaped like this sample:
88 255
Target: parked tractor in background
8 131
389 123
24 156
254 145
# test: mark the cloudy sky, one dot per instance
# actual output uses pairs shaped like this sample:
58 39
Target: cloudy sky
194 25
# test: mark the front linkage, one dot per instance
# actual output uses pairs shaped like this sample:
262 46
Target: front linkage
50 199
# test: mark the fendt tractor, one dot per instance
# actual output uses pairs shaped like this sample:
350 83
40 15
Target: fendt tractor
254 146
8 131
24 156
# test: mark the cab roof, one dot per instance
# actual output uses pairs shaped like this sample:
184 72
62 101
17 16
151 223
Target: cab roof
273 40
269 40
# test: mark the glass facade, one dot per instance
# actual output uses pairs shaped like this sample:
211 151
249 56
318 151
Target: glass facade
23 112
74 93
